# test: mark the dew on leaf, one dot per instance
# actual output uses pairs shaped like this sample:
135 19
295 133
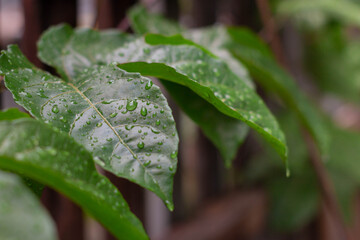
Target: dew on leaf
143 111
129 127
114 114
131 105
155 131
148 85
55 109
173 154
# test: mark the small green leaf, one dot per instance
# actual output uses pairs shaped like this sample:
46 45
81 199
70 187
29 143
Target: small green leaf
183 64
21 214
11 114
107 110
53 158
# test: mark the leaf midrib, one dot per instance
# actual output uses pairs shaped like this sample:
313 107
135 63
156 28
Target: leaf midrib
105 120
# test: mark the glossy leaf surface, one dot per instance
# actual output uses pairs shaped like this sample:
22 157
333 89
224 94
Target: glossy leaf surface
226 133
120 117
53 158
179 61
21 214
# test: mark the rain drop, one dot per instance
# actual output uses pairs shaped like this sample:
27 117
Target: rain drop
131 105
141 145
143 111
113 114
55 109
148 85
173 154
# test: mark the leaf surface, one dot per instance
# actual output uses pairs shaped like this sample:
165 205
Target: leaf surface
51 157
121 118
21 214
225 133
179 61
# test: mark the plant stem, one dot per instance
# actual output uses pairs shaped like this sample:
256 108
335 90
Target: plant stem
326 186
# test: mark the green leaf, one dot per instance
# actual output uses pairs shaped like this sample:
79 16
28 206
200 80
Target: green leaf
21 214
183 64
143 22
11 114
215 39
120 117
212 38
294 202
53 158
324 50
346 11
226 133
267 72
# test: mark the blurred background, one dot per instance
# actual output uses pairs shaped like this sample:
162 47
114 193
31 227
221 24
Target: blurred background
253 199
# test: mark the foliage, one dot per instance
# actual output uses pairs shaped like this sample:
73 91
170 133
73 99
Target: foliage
102 110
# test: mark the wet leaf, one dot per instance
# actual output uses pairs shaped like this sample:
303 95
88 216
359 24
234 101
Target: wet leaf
21 213
37 151
226 133
177 60
121 118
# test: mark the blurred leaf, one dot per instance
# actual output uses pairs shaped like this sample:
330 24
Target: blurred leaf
11 114
301 192
21 214
294 202
267 72
177 60
53 158
346 11
324 51
143 22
